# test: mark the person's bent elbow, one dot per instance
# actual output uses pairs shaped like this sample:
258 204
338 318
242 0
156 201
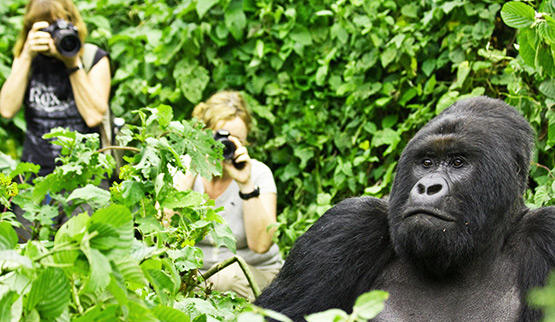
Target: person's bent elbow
6 114
94 121
260 248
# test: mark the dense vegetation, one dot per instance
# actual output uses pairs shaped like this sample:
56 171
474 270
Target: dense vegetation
337 88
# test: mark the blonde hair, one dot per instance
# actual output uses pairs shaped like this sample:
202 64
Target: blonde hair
223 106
49 11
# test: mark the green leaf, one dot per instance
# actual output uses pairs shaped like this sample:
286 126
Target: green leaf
223 236
6 302
517 14
191 79
100 269
203 6
547 88
301 35
50 293
168 314
462 73
329 315
93 195
8 236
369 304
11 259
388 55
235 19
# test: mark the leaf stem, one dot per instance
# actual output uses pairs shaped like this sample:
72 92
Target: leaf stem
244 267
115 147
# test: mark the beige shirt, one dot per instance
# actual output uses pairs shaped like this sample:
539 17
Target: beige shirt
233 215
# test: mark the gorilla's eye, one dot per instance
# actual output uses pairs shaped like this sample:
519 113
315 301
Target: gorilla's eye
457 163
427 163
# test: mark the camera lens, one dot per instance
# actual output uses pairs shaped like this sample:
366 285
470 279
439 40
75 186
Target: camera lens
229 148
68 43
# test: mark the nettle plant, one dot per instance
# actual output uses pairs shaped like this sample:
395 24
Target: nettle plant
112 258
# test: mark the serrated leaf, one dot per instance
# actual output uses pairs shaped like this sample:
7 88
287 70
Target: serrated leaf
91 194
517 14
223 236
50 293
100 269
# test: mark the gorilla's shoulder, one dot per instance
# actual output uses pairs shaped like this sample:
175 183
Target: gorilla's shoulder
537 232
366 216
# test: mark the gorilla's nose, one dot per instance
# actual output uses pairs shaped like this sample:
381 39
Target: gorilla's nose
429 190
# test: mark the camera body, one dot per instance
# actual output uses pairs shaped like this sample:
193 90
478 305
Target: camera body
66 37
222 136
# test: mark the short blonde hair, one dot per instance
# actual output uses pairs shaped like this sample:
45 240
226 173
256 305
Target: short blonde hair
223 106
49 11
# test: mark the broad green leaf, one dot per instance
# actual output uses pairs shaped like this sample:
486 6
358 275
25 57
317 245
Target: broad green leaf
527 46
369 304
301 35
223 236
191 78
462 73
11 259
168 314
104 313
203 6
547 88
50 293
93 195
6 302
517 14
235 19
100 269
388 55
8 236
131 271
139 312
250 317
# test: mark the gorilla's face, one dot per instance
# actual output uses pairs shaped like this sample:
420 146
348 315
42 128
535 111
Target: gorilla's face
456 184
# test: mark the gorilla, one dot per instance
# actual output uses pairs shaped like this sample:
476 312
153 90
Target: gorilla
455 241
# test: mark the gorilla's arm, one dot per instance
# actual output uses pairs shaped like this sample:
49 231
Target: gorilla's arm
536 243
336 260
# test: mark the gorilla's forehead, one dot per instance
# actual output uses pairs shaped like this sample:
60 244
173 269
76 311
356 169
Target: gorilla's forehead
452 134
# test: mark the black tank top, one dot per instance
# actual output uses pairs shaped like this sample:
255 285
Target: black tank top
49 103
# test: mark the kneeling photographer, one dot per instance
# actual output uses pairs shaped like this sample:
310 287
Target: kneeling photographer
61 81
247 192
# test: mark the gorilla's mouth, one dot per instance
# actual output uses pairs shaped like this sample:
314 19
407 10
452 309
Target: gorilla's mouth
428 212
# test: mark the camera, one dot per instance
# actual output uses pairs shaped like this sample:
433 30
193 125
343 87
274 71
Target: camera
65 37
222 136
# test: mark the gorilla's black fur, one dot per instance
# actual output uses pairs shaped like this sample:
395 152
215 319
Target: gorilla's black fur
454 242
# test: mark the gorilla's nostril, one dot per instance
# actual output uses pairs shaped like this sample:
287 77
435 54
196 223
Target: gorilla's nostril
421 188
434 189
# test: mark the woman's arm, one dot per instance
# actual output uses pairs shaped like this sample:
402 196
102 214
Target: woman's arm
258 212
13 90
92 90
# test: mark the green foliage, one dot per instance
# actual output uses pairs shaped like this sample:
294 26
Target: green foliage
367 306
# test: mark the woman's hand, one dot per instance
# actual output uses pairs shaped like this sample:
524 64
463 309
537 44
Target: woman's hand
37 41
241 176
42 42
